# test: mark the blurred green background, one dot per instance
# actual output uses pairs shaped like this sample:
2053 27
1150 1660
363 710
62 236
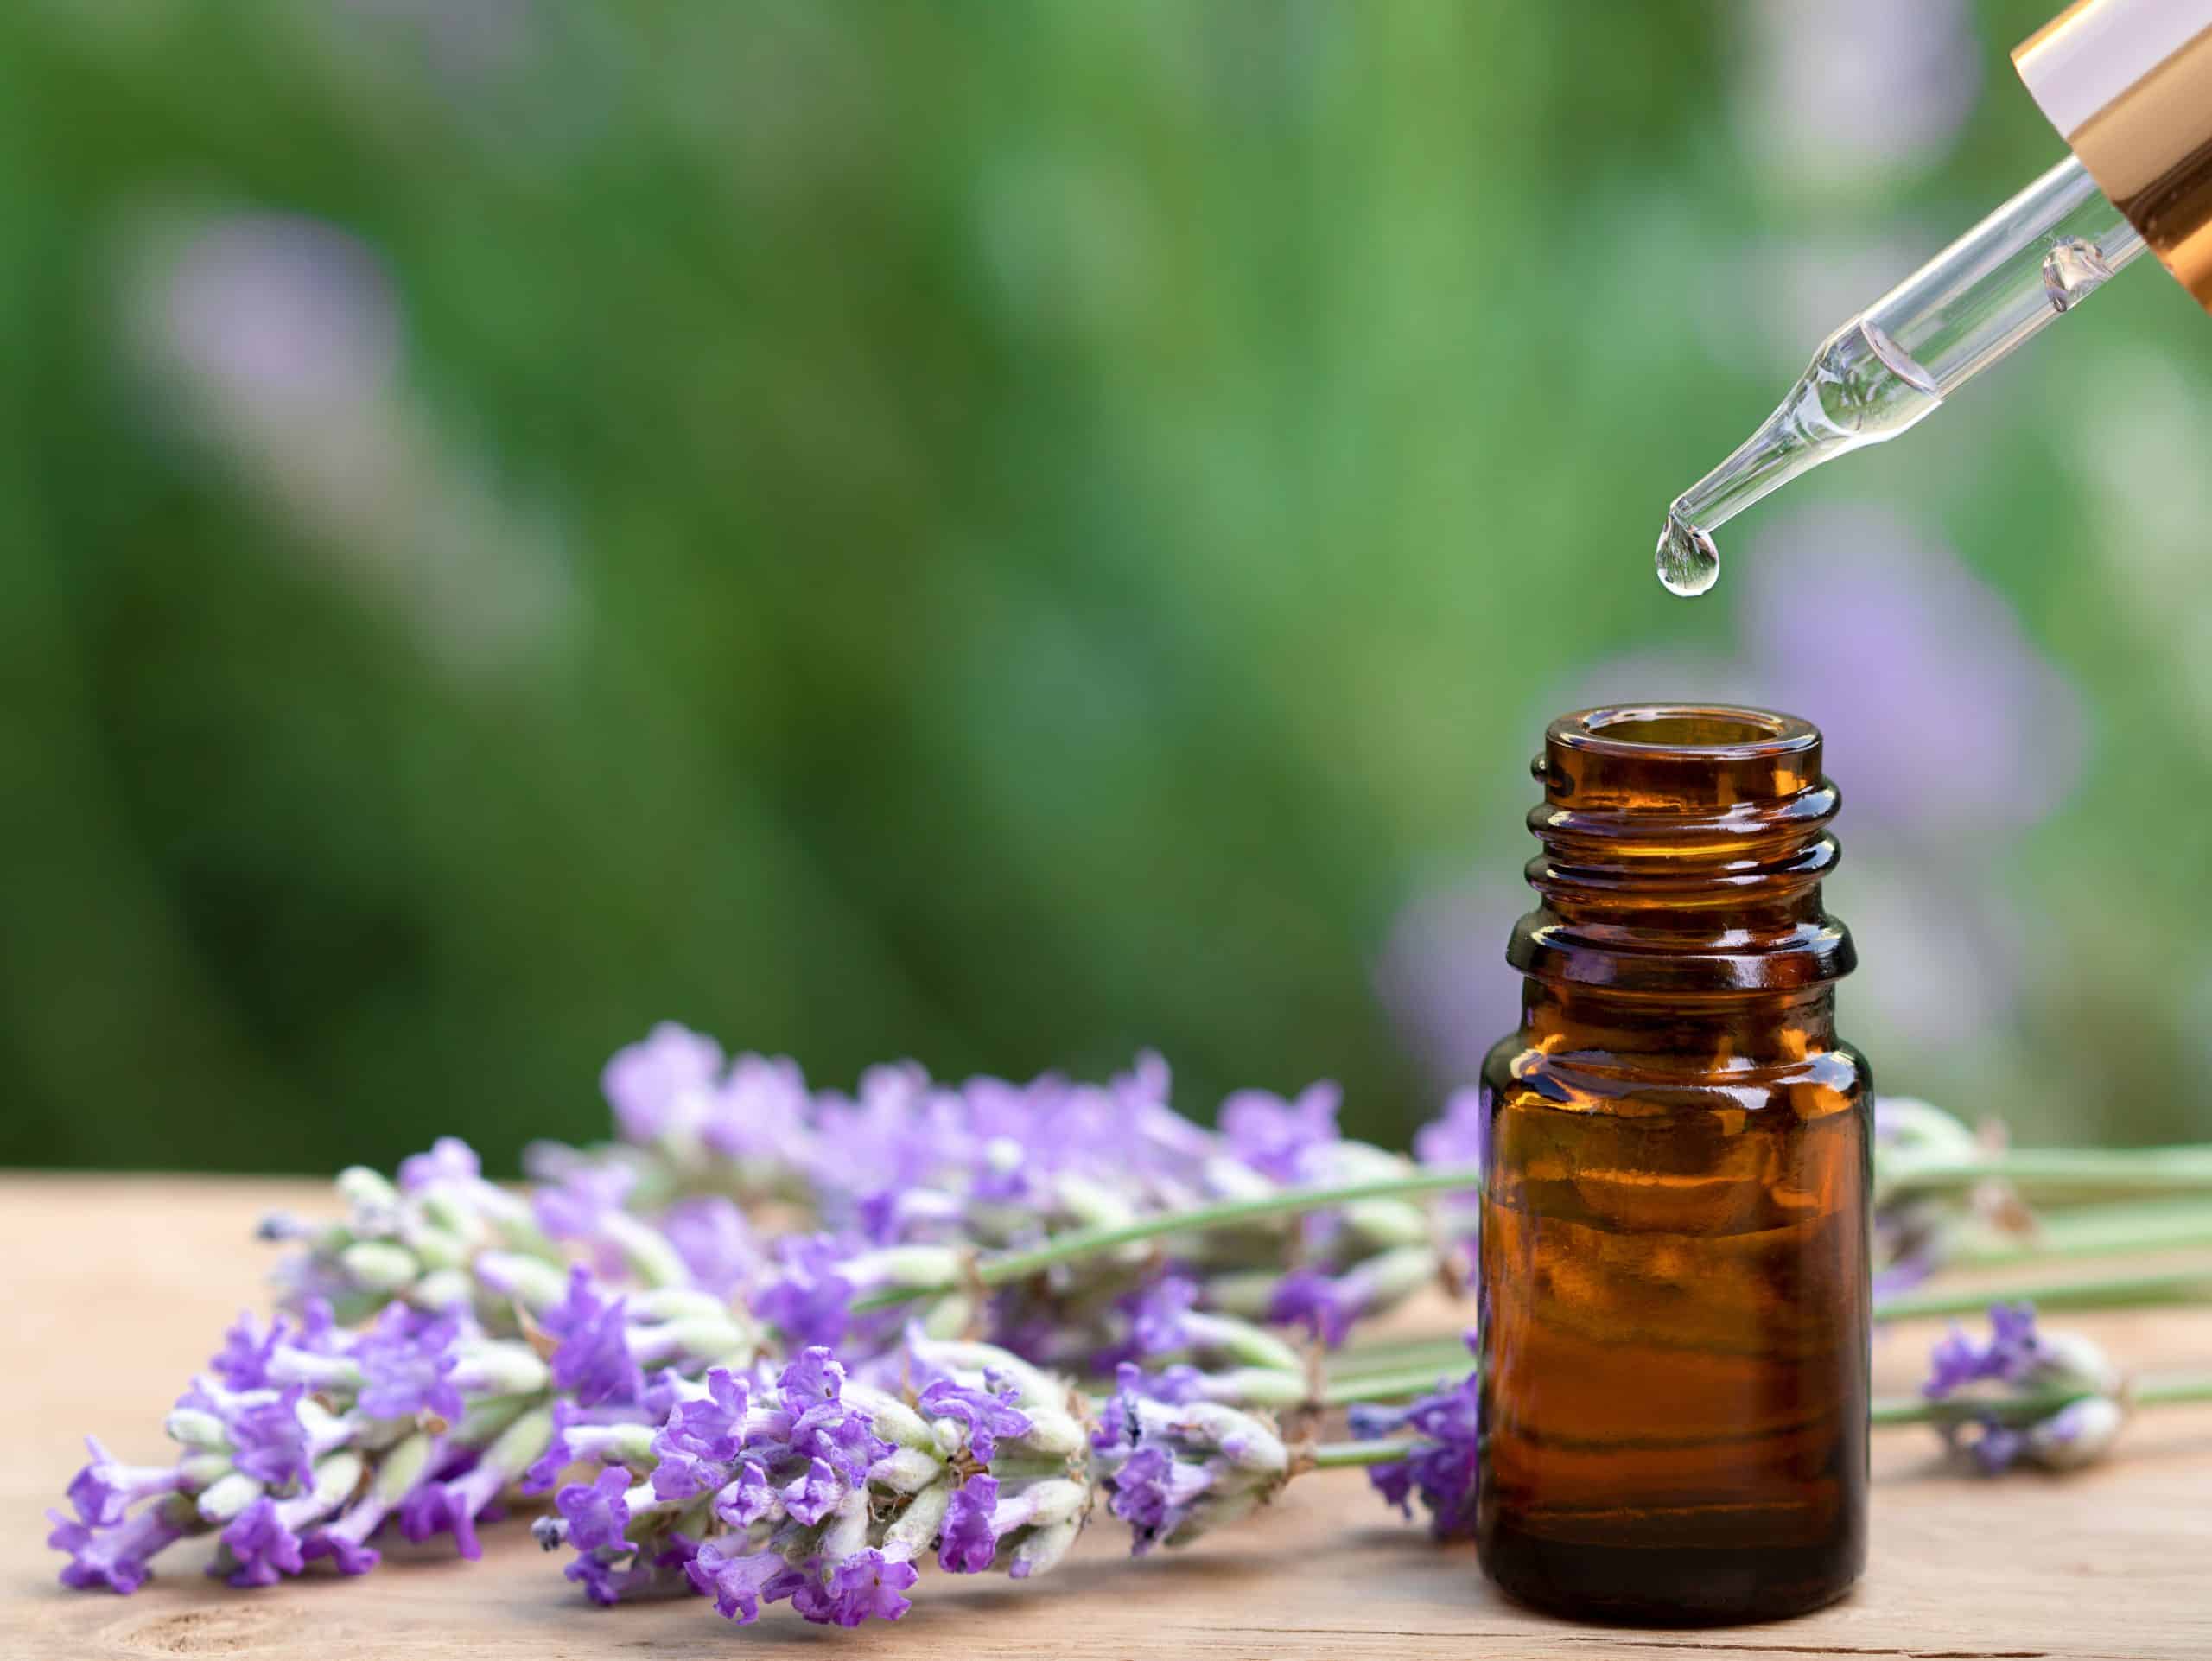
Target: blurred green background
1005 533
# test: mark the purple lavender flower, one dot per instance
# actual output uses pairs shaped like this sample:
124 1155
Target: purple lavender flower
739 1583
574 1205
1440 1469
1328 1305
1155 1493
243 1362
894 1134
450 1159
348 1556
1177 1468
966 1541
1157 1323
269 1440
264 1546
116 1557
810 1303
664 1078
598 1514
663 1568
105 1488
987 1413
810 1419
1274 1137
407 1361
593 1360
1460 1135
746 1498
1317 1302
865 1584
762 1111
455 1504
813 1494
544 1475
2010 1355
711 1428
709 1233
1175 1386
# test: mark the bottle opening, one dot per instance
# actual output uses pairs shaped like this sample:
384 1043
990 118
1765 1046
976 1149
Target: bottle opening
1721 731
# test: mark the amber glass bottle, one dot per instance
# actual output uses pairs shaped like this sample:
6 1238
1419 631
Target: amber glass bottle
1674 1300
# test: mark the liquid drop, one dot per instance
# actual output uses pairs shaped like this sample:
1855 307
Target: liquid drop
1688 563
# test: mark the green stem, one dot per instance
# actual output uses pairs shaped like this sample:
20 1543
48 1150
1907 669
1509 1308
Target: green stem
1392 1386
2107 1292
2171 1391
2172 1170
1005 1266
1362 1369
2020 1409
2030 1408
2093 1231
2186 1169
1342 1455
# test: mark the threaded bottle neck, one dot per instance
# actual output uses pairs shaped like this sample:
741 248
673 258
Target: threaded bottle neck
1683 851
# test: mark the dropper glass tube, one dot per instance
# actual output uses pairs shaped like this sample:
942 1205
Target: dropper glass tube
2034 259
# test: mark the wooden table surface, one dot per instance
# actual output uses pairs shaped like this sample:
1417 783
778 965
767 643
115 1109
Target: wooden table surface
119 1287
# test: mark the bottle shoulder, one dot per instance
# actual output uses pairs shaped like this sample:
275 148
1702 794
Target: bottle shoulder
1830 1079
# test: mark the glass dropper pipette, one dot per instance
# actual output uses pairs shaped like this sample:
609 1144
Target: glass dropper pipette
1889 368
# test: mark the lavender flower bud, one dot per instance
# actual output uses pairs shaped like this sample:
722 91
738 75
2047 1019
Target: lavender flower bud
1042 1550
405 1464
918 1267
2079 1434
372 1200
436 1248
1052 1502
909 1470
196 1428
846 1535
1270 1387
442 1291
533 1282
1092 1204
1033 1387
909 1535
893 1419
196 1470
223 1499
645 1250
500 1369
379 1266
1240 1340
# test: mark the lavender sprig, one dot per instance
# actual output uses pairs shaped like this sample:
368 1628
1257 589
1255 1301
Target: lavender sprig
1438 1463
815 1488
2051 1398
302 1440
908 1165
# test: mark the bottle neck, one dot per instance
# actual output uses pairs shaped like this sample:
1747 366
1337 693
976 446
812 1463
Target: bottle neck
1683 851
1748 1029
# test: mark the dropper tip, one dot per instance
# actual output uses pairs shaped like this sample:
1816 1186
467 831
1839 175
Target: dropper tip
1687 561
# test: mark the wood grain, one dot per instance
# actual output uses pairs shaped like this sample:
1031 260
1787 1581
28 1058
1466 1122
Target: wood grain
119 1286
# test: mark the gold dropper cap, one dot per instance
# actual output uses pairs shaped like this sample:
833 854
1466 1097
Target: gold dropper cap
2128 85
